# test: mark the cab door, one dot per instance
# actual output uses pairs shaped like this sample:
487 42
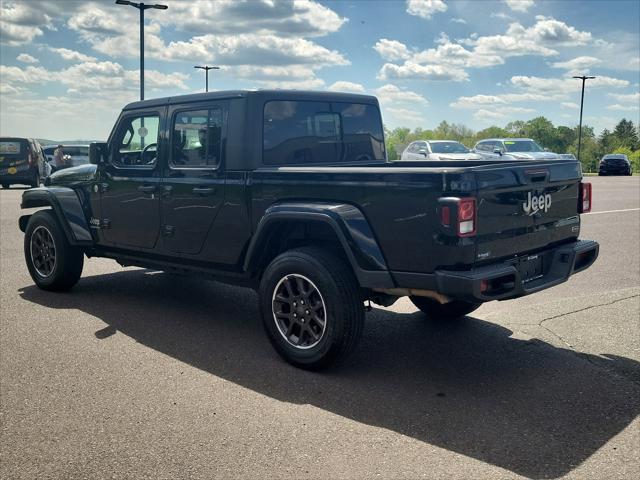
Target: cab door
194 180
130 181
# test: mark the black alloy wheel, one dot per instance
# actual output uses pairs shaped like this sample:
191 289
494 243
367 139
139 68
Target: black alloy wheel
43 251
299 311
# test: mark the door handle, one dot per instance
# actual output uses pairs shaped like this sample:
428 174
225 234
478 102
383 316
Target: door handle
203 190
147 188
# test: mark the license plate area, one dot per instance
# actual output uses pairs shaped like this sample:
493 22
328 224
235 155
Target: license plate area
530 267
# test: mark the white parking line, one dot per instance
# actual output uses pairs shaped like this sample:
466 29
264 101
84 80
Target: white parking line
615 211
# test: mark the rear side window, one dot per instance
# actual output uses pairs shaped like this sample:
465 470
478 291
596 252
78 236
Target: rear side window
321 132
197 138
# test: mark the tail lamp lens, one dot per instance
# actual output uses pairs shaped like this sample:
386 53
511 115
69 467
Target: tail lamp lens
584 198
445 216
466 217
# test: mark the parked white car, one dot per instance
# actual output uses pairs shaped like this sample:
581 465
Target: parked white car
438 150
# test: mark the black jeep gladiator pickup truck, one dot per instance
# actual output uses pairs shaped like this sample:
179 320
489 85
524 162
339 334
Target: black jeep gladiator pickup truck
290 193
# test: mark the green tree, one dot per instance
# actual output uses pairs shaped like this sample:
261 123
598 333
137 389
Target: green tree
626 134
516 128
541 130
563 138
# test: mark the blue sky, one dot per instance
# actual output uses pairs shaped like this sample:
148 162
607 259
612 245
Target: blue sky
68 67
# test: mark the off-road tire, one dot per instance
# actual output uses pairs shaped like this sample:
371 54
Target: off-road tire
444 311
69 260
6 186
340 293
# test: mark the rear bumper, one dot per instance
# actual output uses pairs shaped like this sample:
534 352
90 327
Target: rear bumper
26 176
503 280
617 170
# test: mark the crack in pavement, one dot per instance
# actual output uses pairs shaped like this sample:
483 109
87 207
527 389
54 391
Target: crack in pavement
581 354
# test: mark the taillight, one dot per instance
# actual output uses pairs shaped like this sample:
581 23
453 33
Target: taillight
445 216
466 217
458 215
584 198
30 158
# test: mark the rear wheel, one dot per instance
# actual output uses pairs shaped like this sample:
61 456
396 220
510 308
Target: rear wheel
311 307
444 311
6 186
52 262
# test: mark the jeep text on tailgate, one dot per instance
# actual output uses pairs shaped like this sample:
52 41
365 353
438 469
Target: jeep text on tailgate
290 193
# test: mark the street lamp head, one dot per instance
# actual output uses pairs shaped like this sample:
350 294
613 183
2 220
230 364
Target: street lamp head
160 7
583 77
123 2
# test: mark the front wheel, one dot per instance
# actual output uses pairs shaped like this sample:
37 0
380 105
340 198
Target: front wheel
53 263
311 307
444 311
6 186
35 182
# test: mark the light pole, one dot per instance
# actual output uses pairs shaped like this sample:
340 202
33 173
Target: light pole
583 78
141 7
206 68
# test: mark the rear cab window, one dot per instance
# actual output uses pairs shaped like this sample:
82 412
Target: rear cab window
315 132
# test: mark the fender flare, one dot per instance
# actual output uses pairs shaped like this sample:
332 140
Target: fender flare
67 208
350 226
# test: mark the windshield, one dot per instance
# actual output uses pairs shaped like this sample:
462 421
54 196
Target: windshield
448 147
522 146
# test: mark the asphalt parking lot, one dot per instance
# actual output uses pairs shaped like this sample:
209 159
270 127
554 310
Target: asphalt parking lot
136 375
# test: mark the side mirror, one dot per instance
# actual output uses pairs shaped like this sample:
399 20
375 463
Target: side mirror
422 152
497 151
96 152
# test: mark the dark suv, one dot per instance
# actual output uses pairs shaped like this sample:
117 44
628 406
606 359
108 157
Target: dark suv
21 161
615 164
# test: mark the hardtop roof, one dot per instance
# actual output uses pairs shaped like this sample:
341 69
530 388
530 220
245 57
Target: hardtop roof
291 95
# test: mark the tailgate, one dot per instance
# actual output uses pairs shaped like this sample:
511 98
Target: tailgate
526 207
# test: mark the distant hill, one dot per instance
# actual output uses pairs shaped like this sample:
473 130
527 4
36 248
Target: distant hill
44 141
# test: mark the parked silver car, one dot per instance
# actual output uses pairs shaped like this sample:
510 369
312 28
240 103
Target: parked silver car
513 149
438 150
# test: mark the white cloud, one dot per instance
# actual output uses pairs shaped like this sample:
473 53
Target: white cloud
403 116
448 60
623 108
343 86
21 22
426 72
484 114
267 45
570 105
295 18
17 75
425 8
392 50
95 76
461 21
392 94
552 86
626 97
72 55
519 5
26 58
578 64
